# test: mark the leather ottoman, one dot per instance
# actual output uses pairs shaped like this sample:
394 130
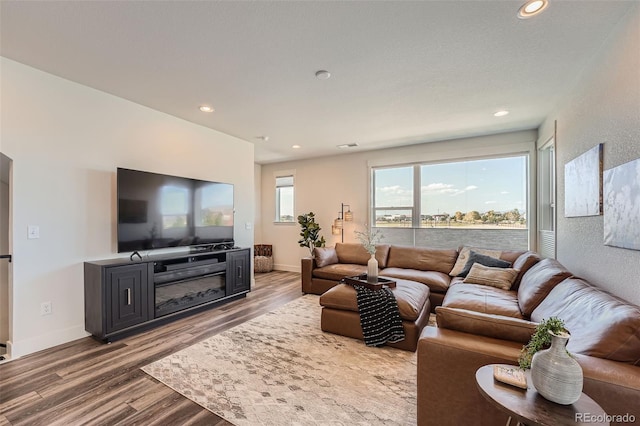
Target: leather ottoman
340 311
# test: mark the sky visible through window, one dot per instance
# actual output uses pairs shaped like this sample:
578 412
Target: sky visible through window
497 184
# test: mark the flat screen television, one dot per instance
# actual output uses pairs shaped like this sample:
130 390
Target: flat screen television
159 211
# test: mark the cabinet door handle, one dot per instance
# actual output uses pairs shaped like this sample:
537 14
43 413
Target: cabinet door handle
239 272
128 296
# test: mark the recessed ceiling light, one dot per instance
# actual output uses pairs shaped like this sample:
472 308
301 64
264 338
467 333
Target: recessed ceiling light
323 74
532 8
295 146
501 113
206 108
263 138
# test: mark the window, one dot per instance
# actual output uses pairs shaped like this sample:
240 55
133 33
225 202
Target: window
483 194
393 197
448 204
284 199
547 200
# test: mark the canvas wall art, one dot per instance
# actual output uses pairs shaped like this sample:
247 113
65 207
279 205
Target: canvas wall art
583 184
622 206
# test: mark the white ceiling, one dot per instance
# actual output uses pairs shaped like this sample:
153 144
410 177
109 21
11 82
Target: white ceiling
402 72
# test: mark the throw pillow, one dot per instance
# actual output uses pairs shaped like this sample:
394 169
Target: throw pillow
325 256
523 263
538 282
483 259
463 256
495 277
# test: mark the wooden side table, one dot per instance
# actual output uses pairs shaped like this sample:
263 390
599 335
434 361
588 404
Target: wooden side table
528 407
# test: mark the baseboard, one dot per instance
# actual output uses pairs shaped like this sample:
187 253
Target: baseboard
287 268
21 348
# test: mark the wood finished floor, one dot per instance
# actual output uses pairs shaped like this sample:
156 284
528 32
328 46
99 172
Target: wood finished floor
86 382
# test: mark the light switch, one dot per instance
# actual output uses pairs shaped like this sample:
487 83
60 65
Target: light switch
33 232
247 225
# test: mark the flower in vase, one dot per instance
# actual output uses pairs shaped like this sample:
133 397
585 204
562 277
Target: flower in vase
369 238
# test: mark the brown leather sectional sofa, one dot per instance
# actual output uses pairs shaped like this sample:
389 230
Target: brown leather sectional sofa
483 324
427 266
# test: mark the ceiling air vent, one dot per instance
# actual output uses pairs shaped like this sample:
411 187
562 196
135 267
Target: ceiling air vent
347 145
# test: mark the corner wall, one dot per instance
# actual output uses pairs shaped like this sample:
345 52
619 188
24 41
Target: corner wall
66 141
603 107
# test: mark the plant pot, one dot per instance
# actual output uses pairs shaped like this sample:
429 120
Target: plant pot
555 374
372 269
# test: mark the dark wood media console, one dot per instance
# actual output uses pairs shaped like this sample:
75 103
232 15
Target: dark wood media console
122 296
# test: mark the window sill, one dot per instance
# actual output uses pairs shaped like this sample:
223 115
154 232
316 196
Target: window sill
285 223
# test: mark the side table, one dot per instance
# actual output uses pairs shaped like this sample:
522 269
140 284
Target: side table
528 407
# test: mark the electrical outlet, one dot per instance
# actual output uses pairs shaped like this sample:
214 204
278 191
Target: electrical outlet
45 308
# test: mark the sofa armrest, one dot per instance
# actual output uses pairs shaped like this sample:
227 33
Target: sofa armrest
447 391
612 384
306 272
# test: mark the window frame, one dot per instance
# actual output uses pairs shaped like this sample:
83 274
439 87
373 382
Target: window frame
374 209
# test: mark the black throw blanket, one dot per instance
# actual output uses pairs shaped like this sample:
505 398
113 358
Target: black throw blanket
379 316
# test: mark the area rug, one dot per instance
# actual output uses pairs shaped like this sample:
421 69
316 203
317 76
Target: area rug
281 369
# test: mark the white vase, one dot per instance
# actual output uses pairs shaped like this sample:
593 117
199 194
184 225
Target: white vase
555 374
372 270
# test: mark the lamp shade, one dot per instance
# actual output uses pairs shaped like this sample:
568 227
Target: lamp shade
335 230
348 216
337 223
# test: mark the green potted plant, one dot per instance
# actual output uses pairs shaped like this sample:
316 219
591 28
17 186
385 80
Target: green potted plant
541 339
555 374
310 232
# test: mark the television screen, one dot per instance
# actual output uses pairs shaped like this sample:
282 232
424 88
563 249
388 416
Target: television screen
158 211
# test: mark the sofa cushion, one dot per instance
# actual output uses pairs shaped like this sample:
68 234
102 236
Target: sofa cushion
421 258
511 255
523 263
438 282
325 256
495 277
411 298
539 280
338 271
463 257
357 254
497 326
484 299
483 259
600 324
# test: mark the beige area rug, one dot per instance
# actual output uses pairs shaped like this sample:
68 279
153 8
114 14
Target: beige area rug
281 369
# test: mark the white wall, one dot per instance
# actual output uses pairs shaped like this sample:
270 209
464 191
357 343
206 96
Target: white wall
603 107
66 141
322 184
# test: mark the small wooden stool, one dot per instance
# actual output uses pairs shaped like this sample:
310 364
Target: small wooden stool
262 258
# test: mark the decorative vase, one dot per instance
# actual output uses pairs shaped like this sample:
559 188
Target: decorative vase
372 270
555 374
